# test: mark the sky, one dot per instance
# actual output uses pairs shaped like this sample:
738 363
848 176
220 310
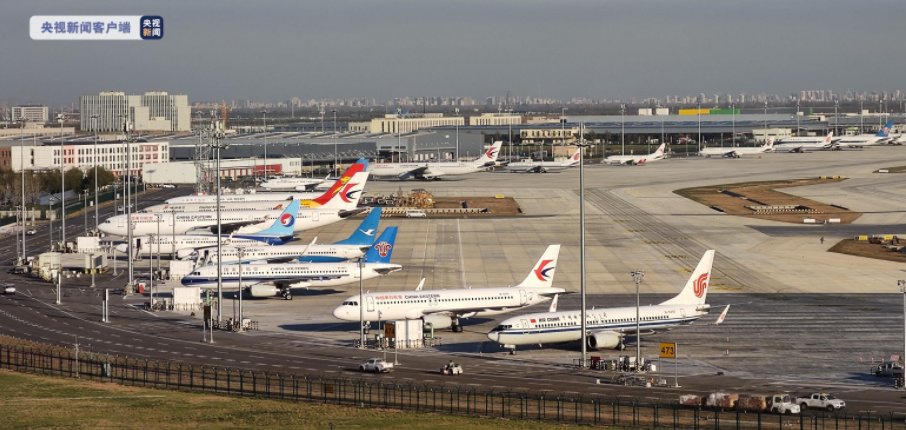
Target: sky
272 50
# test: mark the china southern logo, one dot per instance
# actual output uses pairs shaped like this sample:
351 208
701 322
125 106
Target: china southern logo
383 248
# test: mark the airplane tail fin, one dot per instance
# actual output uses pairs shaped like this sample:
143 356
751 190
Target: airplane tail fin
576 158
283 226
382 249
660 150
365 233
359 166
829 139
885 131
696 290
489 158
769 145
553 307
346 197
542 275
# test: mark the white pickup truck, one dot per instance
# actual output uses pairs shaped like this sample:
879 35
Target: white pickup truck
821 401
376 365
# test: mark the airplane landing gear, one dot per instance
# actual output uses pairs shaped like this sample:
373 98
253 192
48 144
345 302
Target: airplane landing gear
456 327
287 295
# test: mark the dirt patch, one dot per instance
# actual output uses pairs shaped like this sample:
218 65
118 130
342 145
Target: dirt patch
495 206
761 200
861 248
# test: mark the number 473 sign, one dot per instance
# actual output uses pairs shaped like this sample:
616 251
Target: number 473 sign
668 350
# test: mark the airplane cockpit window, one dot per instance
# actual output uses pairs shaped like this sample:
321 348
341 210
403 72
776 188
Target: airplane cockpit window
502 327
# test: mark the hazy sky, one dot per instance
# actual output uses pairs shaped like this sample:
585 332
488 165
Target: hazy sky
273 50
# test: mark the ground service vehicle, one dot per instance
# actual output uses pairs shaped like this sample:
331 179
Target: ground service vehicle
451 369
376 365
888 369
821 401
776 403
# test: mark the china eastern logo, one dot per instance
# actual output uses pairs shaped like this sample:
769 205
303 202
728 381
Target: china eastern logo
152 27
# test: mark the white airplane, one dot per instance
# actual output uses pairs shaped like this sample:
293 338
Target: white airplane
347 249
803 143
542 167
637 159
736 152
269 280
606 327
444 308
238 222
868 139
434 170
291 184
182 203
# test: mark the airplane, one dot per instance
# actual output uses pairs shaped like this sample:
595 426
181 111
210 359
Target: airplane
257 201
184 246
736 152
542 167
347 249
445 308
434 170
866 139
238 222
636 159
805 143
279 279
291 184
606 327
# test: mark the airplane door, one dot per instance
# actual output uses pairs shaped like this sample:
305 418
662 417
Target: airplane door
315 215
523 299
138 246
370 302
524 323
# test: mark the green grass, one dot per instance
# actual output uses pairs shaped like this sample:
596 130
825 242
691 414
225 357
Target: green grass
30 401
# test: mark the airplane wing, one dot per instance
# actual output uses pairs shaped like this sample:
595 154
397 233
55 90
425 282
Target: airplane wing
723 316
230 227
418 172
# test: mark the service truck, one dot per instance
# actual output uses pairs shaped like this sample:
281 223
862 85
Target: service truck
376 365
776 403
821 401
888 369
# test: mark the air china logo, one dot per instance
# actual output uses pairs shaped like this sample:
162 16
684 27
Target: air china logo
700 284
383 248
287 220
542 271
348 195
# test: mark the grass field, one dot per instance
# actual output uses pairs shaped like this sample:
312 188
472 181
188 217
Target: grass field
30 401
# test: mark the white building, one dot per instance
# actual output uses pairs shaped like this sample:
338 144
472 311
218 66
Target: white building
186 172
152 111
111 156
392 123
495 119
36 114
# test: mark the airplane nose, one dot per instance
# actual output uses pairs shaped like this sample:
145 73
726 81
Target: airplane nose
338 313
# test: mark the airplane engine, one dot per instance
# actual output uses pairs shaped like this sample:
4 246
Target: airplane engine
438 321
186 254
605 340
263 291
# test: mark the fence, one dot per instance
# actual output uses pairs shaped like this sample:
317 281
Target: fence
362 392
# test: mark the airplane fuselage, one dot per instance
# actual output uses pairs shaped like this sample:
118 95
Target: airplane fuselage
312 274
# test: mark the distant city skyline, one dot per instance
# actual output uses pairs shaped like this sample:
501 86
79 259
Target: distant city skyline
274 50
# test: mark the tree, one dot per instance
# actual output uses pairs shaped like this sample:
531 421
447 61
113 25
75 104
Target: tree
74 179
105 177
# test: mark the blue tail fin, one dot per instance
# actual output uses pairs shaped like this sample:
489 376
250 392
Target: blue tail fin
283 226
367 230
382 249
885 131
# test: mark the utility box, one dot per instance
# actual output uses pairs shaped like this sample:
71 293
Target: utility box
88 244
186 299
406 334
179 269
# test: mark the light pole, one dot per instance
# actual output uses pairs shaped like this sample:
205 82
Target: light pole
457 137
733 113
24 212
127 207
62 118
583 317
637 276
264 112
902 284
158 216
216 135
622 129
50 221
837 117
797 116
335 162
861 118
361 306
765 120
699 111
241 252
96 158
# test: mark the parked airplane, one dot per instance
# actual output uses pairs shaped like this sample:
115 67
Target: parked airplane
350 248
445 308
542 167
257 201
736 152
269 280
239 222
867 139
637 159
434 170
606 327
805 143
291 184
184 246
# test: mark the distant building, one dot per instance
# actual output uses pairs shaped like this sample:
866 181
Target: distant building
495 119
393 123
110 155
34 113
549 135
152 111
